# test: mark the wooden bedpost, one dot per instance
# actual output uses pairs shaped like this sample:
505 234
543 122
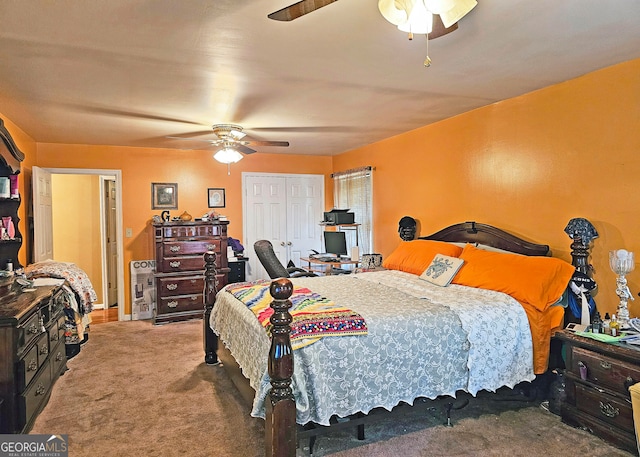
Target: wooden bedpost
210 290
280 419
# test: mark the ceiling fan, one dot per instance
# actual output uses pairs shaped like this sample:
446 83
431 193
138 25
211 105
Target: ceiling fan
446 13
230 142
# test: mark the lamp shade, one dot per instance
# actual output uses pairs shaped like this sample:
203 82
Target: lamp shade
227 155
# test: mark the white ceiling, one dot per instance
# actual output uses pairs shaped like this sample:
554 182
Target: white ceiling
131 72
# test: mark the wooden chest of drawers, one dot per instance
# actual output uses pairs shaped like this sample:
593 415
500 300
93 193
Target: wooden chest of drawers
598 376
32 353
179 252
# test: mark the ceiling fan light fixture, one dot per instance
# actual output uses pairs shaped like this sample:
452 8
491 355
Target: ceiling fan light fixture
416 16
419 21
452 10
227 155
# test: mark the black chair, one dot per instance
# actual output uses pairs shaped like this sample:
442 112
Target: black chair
270 262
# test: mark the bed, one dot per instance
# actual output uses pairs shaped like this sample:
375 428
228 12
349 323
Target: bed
406 338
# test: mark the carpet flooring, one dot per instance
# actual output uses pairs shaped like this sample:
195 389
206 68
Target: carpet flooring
137 389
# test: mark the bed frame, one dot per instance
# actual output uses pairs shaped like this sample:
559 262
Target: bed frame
280 420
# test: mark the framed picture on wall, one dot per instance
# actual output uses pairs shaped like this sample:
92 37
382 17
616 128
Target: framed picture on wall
216 197
164 195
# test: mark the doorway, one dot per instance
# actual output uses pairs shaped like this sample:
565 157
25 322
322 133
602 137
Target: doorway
102 203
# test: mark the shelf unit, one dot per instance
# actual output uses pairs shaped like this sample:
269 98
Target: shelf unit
10 159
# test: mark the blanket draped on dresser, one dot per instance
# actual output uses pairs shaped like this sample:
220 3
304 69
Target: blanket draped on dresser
313 316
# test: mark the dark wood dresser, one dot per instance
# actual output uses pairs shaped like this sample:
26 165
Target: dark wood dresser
32 351
599 398
179 252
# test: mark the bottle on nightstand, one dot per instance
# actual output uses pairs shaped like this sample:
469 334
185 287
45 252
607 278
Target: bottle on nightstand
614 326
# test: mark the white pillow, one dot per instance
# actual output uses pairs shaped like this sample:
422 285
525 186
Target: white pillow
442 269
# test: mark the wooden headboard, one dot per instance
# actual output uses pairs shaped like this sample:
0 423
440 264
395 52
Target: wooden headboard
475 232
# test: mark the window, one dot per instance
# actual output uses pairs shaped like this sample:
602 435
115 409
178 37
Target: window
352 189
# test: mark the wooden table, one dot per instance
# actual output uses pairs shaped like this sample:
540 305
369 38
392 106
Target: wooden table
338 263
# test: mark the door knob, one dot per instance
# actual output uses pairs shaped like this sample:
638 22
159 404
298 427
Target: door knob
289 243
282 243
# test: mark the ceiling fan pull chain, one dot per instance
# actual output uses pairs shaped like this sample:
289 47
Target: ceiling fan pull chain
427 61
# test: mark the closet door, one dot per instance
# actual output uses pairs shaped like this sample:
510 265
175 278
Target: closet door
284 209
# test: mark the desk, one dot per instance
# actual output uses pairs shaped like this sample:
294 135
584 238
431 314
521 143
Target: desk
339 263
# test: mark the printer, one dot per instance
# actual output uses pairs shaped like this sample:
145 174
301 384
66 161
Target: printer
338 216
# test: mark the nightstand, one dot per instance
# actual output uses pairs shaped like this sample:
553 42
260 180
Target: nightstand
599 400
237 270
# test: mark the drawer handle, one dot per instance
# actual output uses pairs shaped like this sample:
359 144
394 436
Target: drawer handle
174 248
195 298
175 264
33 329
58 356
172 286
628 382
44 350
211 247
33 366
40 390
172 304
193 281
608 410
606 365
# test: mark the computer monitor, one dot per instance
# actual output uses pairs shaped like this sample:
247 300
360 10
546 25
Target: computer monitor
335 243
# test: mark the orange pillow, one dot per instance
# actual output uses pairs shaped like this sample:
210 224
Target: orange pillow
538 281
415 256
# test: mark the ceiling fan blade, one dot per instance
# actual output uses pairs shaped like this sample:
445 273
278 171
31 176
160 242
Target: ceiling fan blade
265 143
242 148
193 139
318 129
298 9
133 114
438 28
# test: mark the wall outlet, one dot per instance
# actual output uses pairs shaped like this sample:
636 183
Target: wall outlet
128 232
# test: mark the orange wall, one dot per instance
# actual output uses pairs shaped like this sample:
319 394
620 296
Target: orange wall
193 171
529 165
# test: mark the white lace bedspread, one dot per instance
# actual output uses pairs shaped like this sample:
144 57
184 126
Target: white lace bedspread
422 342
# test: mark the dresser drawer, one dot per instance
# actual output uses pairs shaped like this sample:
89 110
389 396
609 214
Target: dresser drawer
58 359
177 248
190 231
56 331
28 330
180 285
615 411
187 263
27 368
193 263
32 399
181 303
605 371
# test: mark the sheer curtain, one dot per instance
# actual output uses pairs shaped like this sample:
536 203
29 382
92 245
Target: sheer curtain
352 189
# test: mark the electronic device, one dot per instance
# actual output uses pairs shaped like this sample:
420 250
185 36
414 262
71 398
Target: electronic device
335 243
339 216
573 327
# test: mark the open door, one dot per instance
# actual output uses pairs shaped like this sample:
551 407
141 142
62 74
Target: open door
42 215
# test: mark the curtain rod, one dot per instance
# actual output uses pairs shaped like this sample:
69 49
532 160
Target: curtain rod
353 170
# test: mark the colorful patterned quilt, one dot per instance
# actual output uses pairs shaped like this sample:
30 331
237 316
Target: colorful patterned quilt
74 275
314 316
